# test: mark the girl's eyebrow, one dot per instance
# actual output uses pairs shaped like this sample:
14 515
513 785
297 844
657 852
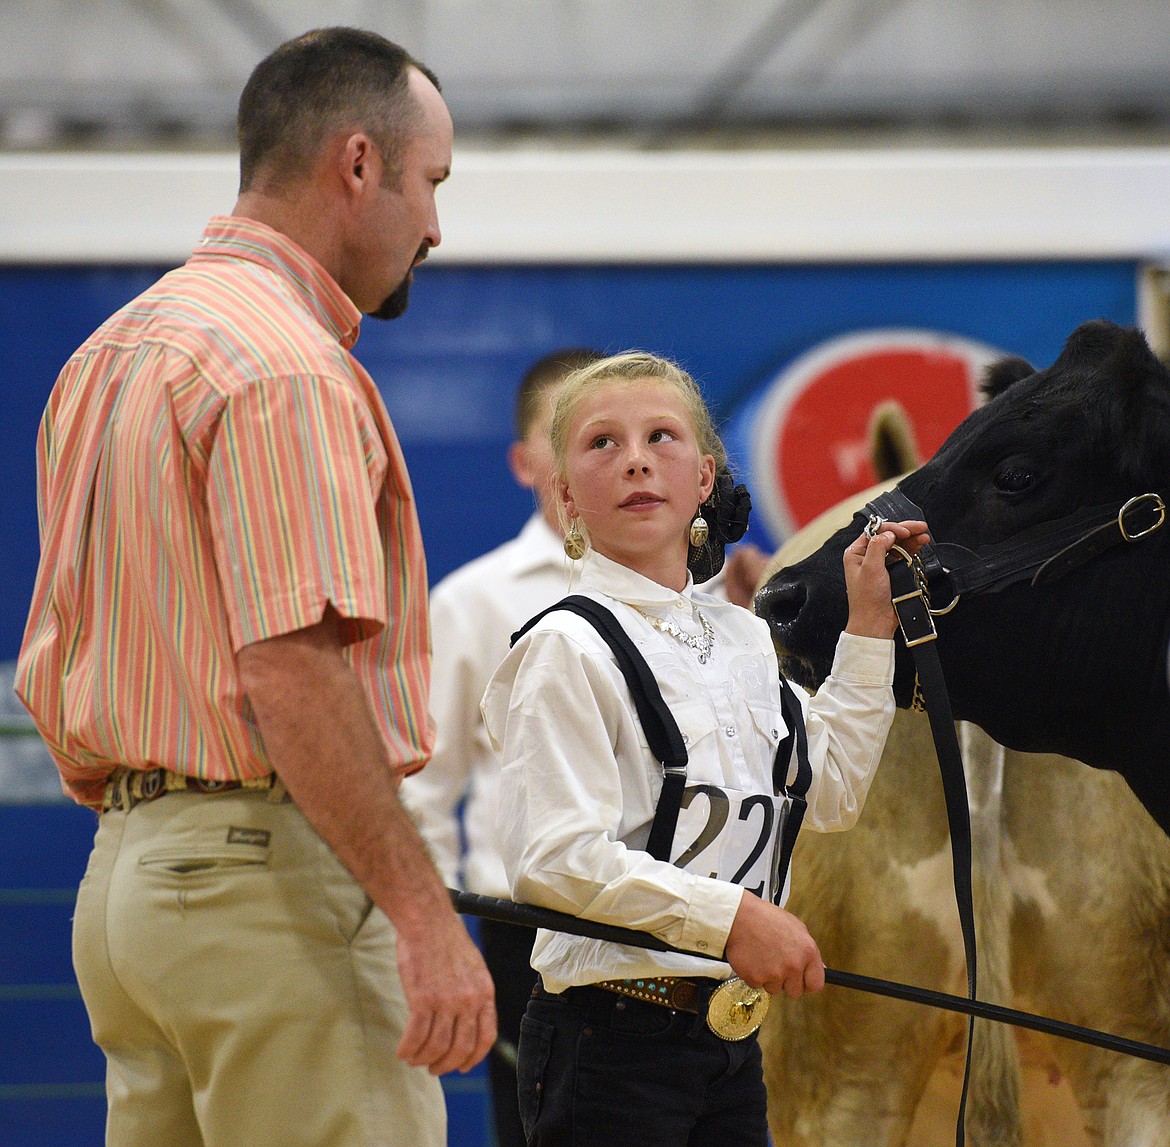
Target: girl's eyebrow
597 419
593 424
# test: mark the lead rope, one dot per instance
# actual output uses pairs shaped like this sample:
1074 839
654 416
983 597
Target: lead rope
913 610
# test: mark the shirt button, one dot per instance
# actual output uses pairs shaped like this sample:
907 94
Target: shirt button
702 944
686 739
730 730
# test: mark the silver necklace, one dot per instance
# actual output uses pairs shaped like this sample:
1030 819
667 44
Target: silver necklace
702 644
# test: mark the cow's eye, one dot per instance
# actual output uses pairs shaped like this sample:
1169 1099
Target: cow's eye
1014 479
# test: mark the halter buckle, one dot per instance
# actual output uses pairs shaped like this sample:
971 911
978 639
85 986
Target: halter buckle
917 624
1151 501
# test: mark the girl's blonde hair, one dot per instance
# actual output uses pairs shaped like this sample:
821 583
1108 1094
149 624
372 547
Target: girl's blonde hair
630 367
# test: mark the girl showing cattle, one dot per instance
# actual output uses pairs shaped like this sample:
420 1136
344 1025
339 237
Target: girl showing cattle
622 1045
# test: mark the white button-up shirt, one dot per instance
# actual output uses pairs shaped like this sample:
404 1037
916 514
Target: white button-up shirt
579 785
474 612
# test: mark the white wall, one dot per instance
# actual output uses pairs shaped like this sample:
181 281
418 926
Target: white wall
611 206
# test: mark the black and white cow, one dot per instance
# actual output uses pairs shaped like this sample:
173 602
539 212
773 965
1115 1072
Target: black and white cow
1077 664
1071 881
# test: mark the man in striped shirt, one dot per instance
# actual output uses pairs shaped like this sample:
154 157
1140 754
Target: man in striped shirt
227 649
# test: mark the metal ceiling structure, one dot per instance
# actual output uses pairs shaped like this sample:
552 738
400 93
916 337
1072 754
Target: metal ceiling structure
167 73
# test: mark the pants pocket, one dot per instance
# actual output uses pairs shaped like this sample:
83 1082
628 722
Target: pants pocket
186 862
536 1038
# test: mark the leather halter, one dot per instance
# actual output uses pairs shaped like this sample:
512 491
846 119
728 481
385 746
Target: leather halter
1040 554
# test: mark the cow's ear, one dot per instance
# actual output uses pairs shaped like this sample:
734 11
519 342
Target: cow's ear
1139 409
1000 375
893 450
1089 346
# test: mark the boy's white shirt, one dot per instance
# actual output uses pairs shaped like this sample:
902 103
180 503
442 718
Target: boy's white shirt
474 612
579 786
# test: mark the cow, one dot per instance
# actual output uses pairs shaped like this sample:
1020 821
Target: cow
1076 663
1067 925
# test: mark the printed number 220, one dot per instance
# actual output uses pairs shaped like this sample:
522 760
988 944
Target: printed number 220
719 807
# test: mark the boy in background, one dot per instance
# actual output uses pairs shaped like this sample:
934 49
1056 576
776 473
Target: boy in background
474 612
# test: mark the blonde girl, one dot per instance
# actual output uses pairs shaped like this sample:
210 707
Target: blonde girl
622 1045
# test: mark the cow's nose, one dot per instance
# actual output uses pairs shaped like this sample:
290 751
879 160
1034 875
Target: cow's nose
780 601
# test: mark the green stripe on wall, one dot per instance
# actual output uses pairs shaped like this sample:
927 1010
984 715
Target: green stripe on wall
15 896
37 1091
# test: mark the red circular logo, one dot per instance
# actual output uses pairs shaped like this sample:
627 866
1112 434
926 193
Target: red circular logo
813 440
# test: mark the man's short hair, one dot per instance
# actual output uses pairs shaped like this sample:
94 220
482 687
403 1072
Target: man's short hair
325 81
546 372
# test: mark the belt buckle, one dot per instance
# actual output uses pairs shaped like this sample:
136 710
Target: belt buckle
735 1011
152 784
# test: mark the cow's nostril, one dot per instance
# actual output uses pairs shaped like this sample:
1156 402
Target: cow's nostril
779 601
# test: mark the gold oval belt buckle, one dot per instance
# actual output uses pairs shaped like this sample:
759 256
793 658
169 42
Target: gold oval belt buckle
735 1011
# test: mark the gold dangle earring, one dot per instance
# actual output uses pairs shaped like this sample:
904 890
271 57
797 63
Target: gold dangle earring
699 531
574 543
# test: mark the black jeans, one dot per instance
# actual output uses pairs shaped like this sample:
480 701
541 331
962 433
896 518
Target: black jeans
601 1070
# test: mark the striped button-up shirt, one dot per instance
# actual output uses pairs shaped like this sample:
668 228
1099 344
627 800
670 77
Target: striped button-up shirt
213 468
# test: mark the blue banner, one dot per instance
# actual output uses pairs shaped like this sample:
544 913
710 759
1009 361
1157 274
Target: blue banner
449 368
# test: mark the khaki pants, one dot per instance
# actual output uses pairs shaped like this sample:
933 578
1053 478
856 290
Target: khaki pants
241 987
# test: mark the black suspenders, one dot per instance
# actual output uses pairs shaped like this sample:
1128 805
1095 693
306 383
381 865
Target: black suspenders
666 743
797 792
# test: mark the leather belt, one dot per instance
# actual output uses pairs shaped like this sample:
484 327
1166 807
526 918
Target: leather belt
733 1010
680 994
127 787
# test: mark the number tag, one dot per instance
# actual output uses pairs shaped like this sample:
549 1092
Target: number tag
731 835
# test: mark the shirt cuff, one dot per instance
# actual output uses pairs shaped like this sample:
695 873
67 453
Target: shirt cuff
710 914
864 660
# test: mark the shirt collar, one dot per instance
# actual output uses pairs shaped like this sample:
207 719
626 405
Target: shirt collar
600 573
236 237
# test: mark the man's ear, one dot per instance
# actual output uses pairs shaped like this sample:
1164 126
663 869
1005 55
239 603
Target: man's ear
520 463
359 162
